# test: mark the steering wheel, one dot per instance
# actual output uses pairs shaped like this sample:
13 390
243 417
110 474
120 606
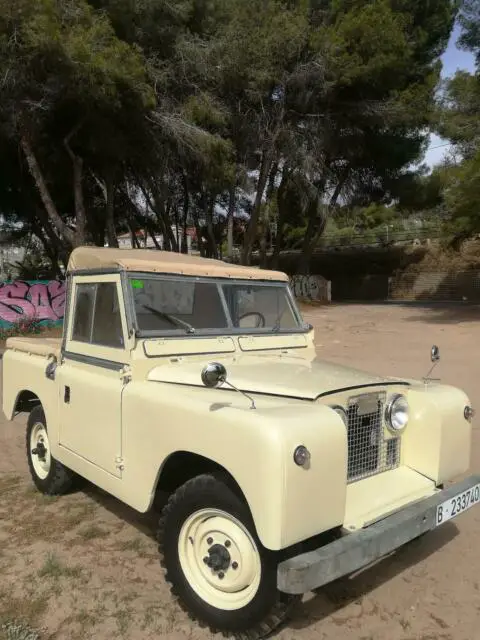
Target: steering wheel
261 318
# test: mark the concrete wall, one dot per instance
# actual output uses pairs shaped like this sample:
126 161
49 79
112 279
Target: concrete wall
441 286
42 300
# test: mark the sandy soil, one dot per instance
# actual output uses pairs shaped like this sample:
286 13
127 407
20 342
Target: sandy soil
84 566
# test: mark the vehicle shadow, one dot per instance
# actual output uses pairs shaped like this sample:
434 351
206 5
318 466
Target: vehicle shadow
339 594
145 523
447 314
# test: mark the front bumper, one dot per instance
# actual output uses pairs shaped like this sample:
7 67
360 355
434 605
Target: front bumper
355 551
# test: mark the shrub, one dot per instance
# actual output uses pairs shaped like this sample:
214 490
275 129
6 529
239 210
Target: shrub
25 326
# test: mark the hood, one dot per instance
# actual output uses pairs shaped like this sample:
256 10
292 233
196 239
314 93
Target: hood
274 375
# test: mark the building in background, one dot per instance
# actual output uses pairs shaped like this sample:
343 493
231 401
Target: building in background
145 241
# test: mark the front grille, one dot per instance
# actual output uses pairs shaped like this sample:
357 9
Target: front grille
369 452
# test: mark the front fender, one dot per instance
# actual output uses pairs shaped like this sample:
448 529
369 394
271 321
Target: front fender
288 503
437 442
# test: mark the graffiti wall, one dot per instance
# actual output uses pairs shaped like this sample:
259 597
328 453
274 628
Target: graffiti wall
311 287
44 301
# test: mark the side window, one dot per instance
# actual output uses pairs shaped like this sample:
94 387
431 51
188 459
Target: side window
83 312
97 318
107 322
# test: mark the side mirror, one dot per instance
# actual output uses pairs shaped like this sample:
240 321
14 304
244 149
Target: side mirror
214 375
51 368
435 353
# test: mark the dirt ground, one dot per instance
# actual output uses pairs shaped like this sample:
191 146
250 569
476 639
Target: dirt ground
84 566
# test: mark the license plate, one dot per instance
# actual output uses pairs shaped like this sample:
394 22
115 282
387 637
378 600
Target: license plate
453 507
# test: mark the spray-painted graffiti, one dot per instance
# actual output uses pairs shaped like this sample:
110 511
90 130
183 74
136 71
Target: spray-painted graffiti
44 301
312 287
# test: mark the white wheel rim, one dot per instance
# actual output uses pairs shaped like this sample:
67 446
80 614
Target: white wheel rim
206 531
39 438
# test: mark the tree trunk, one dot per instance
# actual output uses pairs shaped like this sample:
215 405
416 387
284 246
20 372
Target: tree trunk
48 247
263 228
133 236
80 213
110 211
186 206
265 224
271 180
157 204
208 211
56 242
36 173
282 218
230 220
317 223
315 227
151 231
198 231
177 230
253 223
160 220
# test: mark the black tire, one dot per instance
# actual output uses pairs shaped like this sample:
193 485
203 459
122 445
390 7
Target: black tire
59 479
268 608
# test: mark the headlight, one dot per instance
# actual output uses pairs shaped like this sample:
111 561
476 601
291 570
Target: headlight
342 413
396 413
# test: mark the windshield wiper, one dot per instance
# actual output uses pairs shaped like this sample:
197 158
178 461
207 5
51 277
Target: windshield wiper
172 319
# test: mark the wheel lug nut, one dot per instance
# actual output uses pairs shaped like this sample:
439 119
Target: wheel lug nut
227 543
209 540
234 565
221 575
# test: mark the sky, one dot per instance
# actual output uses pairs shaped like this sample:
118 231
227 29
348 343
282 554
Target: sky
452 59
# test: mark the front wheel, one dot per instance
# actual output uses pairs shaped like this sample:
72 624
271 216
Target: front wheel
215 563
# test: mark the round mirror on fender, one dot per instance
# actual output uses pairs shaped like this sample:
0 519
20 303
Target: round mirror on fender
214 375
435 353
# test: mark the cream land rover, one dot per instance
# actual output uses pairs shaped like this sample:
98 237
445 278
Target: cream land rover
198 380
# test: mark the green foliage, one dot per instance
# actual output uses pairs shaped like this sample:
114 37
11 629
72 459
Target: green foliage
462 198
181 101
470 22
459 119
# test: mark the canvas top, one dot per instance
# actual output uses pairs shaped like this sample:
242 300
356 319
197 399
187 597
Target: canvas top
154 261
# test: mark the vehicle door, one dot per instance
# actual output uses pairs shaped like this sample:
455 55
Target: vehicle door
89 378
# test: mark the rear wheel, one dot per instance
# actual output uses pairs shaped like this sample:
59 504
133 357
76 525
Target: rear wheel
50 476
218 569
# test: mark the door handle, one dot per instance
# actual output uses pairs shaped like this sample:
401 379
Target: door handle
66 396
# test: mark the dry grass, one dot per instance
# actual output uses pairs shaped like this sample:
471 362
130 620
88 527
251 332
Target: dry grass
70 566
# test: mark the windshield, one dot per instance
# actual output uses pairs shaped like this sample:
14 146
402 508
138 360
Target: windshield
165 304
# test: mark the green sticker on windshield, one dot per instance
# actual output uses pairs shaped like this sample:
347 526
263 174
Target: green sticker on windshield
137 284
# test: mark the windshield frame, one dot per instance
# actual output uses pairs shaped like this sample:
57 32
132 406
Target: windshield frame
230 330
